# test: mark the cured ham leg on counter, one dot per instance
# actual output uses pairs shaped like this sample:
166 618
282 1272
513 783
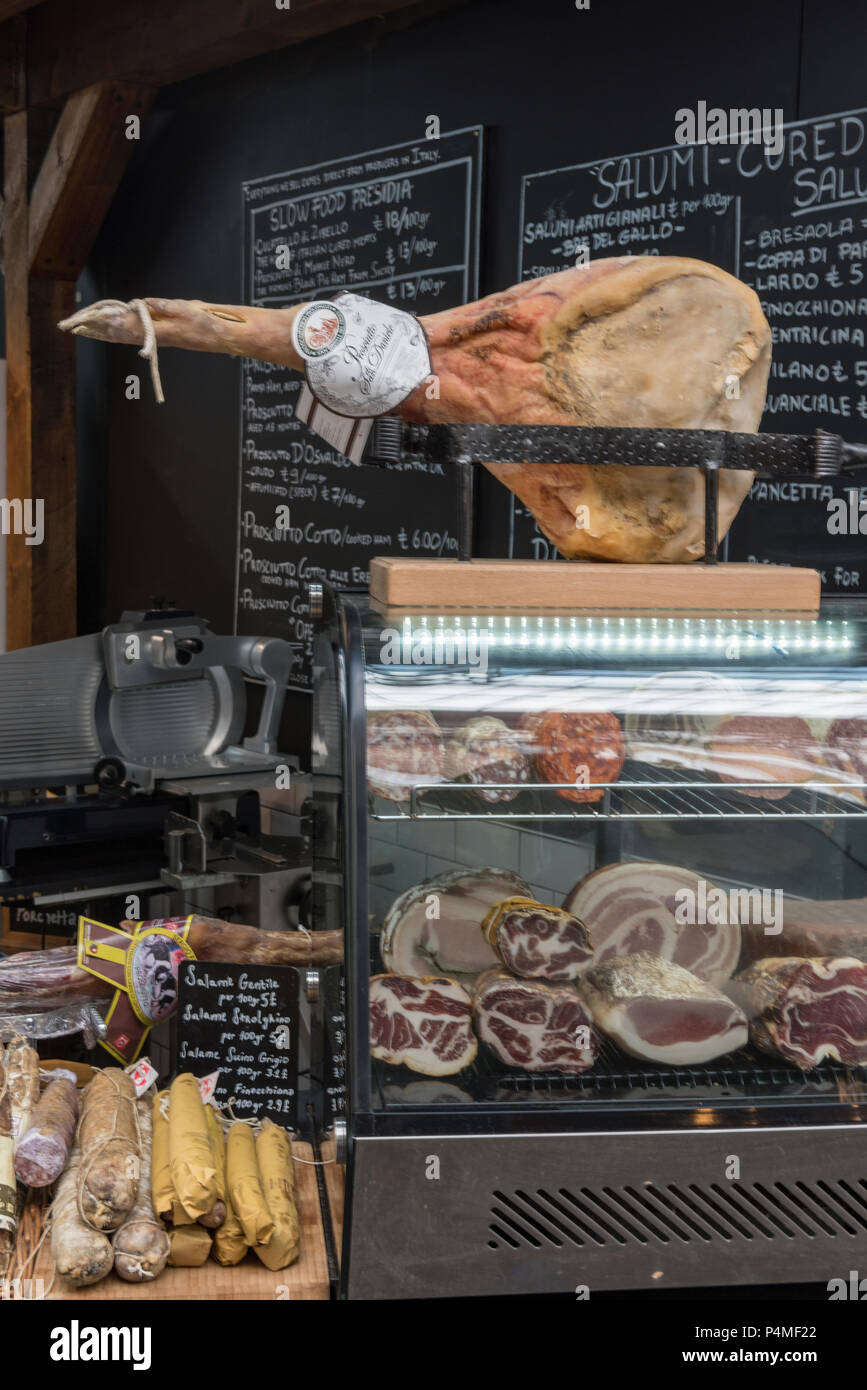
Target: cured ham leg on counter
39 981
631 341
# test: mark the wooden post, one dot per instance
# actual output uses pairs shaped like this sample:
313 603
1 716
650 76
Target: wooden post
40 423
48 235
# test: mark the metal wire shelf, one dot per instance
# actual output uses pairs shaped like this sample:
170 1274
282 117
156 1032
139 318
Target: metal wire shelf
742 1075
658 794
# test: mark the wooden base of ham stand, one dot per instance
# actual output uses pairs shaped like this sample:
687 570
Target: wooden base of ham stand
573 584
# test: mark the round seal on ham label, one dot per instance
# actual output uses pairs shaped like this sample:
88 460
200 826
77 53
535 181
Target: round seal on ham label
152 966
319 329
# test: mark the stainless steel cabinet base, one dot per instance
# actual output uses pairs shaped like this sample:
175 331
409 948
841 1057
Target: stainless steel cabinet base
449 1216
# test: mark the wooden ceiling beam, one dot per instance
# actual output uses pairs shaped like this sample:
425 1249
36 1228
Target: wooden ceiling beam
87 155
13 69
75 43
40 424
51 221
10 8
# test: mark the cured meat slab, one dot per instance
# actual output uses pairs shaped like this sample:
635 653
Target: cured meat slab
425 1025
582 749
657 341
660 1012
812 927
437 926
807 1010
536 941
485 749
634 906
404 749
533 1025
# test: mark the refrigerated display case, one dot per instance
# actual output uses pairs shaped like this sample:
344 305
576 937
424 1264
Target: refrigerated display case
670 1093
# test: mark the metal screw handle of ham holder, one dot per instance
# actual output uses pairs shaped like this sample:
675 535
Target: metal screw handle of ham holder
819 455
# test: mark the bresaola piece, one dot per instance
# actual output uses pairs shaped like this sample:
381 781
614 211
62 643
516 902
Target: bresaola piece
536 941
659 1012
633 906
533 1025
436 926
807 1010
423 1024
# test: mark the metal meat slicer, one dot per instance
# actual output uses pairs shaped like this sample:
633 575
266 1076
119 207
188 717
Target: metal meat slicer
125 768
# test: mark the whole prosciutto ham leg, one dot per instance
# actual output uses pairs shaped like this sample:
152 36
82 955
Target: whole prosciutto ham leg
631 341
42 981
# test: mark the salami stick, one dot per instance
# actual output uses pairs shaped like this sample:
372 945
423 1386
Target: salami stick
141 1245
43 1153
81 1255
22 1079
111 1156
8 1197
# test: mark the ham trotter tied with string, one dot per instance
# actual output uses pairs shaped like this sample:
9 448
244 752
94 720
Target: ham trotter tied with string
633 341
424 1024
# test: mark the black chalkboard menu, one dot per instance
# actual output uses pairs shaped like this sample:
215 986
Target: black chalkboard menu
400 224
334 1059
242 1021
790 219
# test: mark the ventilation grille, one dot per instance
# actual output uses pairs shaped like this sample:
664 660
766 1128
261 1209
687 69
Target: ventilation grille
661 1215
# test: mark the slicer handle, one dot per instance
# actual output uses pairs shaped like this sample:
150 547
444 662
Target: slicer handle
272 659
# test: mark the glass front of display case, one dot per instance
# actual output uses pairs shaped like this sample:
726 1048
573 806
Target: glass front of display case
609 861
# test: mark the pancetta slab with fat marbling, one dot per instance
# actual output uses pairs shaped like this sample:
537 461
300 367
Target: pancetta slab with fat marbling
645 906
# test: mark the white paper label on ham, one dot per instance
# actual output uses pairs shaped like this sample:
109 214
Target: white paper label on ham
362 358
632 907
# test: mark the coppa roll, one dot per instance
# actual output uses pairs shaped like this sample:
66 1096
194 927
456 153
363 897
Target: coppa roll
274 1153
245 1185
191 1162
230 1245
